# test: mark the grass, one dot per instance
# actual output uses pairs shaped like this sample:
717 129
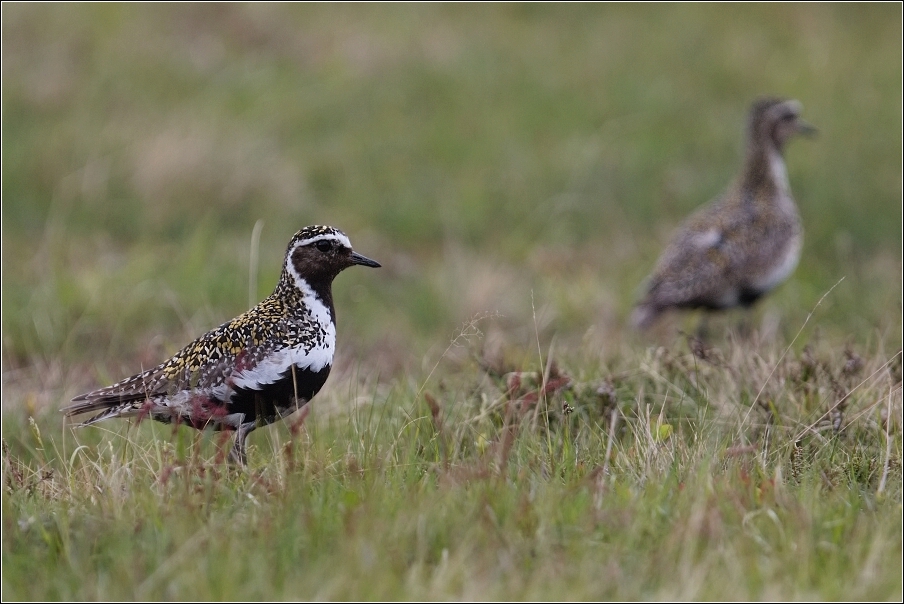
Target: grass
658 480
516 169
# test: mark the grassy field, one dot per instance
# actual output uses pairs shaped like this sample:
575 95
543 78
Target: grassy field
492 429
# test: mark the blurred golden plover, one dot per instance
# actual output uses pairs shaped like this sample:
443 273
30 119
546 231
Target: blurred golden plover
745 242
255 369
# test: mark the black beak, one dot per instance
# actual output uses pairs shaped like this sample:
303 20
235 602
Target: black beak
364 261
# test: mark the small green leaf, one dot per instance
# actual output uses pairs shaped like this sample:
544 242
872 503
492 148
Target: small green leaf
663 432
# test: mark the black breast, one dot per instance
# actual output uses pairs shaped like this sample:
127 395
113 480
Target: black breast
271 401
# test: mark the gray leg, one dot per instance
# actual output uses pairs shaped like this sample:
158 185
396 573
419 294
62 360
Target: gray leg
237 454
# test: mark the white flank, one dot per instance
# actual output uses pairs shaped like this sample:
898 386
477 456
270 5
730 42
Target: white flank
730 297
708 238
181 402
233 419
780 272
272 367
185 403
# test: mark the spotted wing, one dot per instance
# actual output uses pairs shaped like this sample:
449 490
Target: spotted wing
205 365
696 262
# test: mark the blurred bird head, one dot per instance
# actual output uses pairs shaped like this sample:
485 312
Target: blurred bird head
773 121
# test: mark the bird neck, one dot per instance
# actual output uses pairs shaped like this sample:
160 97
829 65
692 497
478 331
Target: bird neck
298 292
764 173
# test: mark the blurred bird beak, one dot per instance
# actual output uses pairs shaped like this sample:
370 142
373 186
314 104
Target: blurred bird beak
363 260
806 129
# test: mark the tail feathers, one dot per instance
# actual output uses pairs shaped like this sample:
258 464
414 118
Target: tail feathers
127 397
108 409
644 315
123 410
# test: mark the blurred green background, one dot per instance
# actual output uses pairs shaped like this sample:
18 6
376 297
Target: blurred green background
523 160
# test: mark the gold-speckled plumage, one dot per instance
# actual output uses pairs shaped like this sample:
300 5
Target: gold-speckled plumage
741 245
253 369
208 361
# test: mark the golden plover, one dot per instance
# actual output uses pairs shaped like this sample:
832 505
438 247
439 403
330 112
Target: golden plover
255 369
745 242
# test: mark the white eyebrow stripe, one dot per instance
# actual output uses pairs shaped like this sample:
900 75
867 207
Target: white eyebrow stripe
340 237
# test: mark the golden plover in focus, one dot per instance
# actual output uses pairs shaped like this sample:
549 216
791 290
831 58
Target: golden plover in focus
745 242
255 369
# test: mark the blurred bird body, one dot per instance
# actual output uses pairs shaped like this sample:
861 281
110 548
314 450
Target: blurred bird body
252 370
745 242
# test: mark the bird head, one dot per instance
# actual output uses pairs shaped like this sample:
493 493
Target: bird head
317 254
774 121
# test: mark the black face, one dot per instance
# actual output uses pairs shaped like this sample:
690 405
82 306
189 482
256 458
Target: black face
325 258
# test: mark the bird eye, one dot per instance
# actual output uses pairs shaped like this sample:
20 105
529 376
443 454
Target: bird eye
324 246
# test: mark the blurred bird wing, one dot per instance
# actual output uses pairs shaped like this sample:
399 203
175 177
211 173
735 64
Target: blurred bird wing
698 258
685 271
